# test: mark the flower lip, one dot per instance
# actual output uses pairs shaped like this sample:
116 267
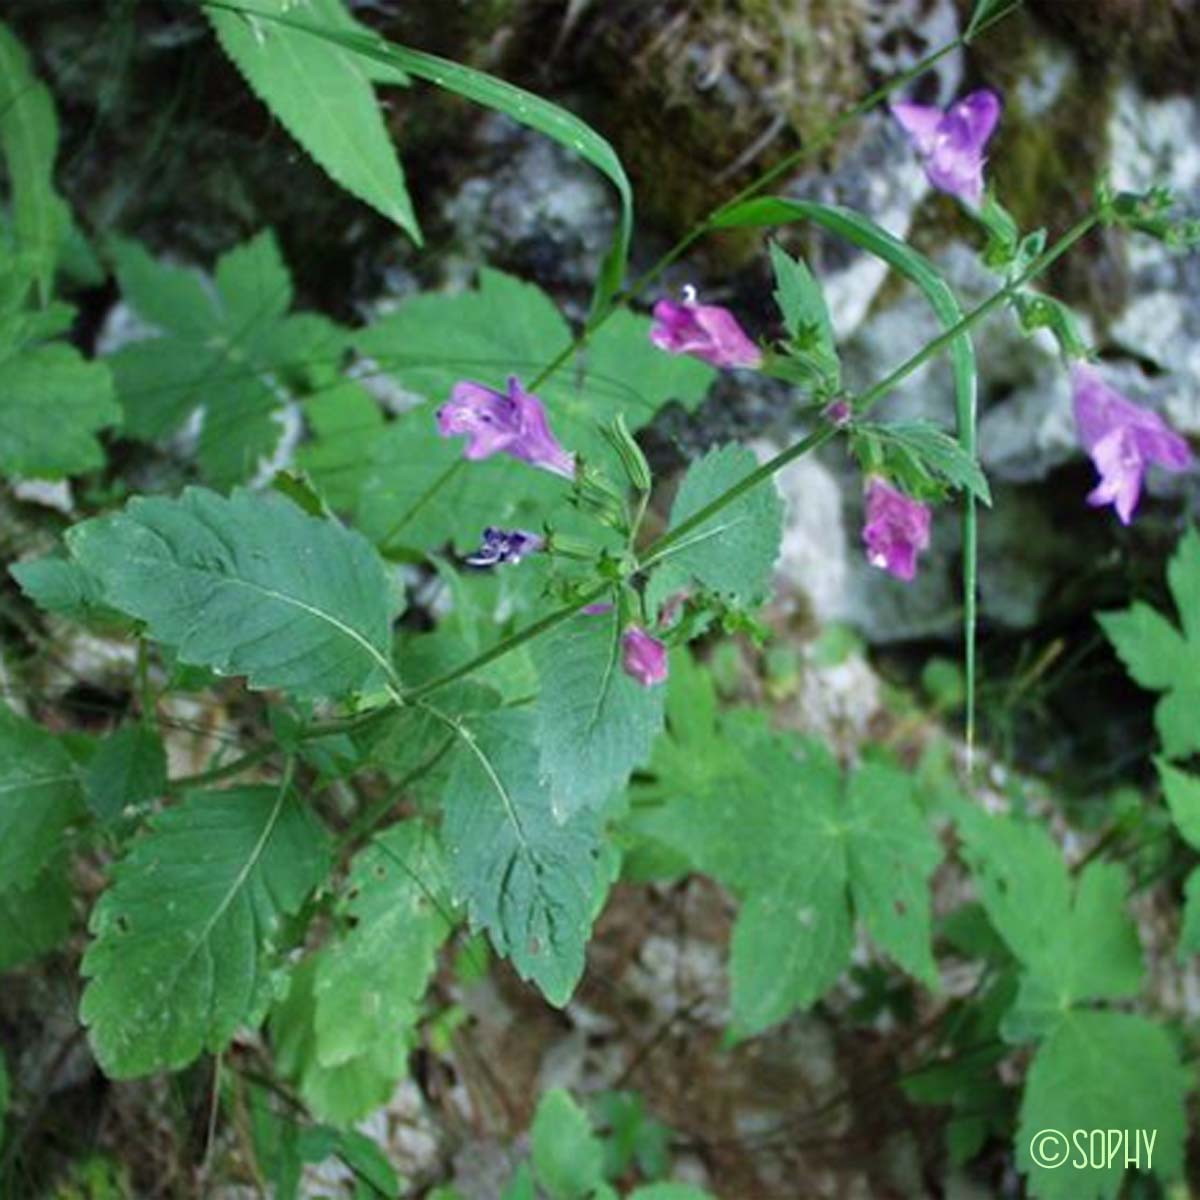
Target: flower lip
705 331
951 143
896 529
512 423
504 546
1123 440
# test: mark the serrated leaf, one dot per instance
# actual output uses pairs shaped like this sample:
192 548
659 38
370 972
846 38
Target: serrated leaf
184 935
568 1158
924 449
227 347
1160 657
128 768
248 585
369 983
54 404
418 490
1102 1070
1183 799
29 140
321 93
39 797
60 586
733 551
806 319
34 919
534 884
595 723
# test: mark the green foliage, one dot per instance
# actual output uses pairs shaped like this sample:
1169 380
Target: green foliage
921 456
568 1158
986 13
1183 798
322 94
806 319
733 551
29 141
185 934
367 985
60 586
40 797
346 424
417 491
773 819
595 722
128 768
1164 658
248 585
534 884
227 346
34 918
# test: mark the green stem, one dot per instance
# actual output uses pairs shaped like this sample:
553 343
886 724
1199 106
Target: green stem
216 774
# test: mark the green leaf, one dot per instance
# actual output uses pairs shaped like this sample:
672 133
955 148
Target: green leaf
369 983
418 490
892 853
535 885
1183 799
986 14
522 106
917 450
321 93
669 1191
1189 933
185 934
54 404
595 723
1072 949
248 585
39 797
568 1158
29 140
229 349
346 425
734 551
1102 1070
521 1185
36 918
806 318
128 768
1161 658
60 586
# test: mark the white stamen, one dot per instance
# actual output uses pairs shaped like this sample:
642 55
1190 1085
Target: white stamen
688 292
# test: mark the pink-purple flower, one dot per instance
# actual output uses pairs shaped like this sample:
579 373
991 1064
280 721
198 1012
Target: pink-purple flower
705 331
512 423
896 529
643 657
1122 439
951 143
504 546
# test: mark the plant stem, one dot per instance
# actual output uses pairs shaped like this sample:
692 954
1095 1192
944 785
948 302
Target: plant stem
216 774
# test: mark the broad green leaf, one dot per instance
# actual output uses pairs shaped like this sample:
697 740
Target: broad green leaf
29 140
1183 799
185 934
1160 657
1072 948
806 319
60 586
128 768
418 490
669 1191
320 90
34 919
39 797
595 723
733 551
228 348
369 983
534 884
1102 1070
346 425
248 585
860 231
892 854
54 404
522 106
568 1158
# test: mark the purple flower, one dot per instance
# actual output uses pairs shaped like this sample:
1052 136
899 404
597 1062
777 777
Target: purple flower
951 143
504 546
896 529
643 657
495 423
1122 439
705 331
